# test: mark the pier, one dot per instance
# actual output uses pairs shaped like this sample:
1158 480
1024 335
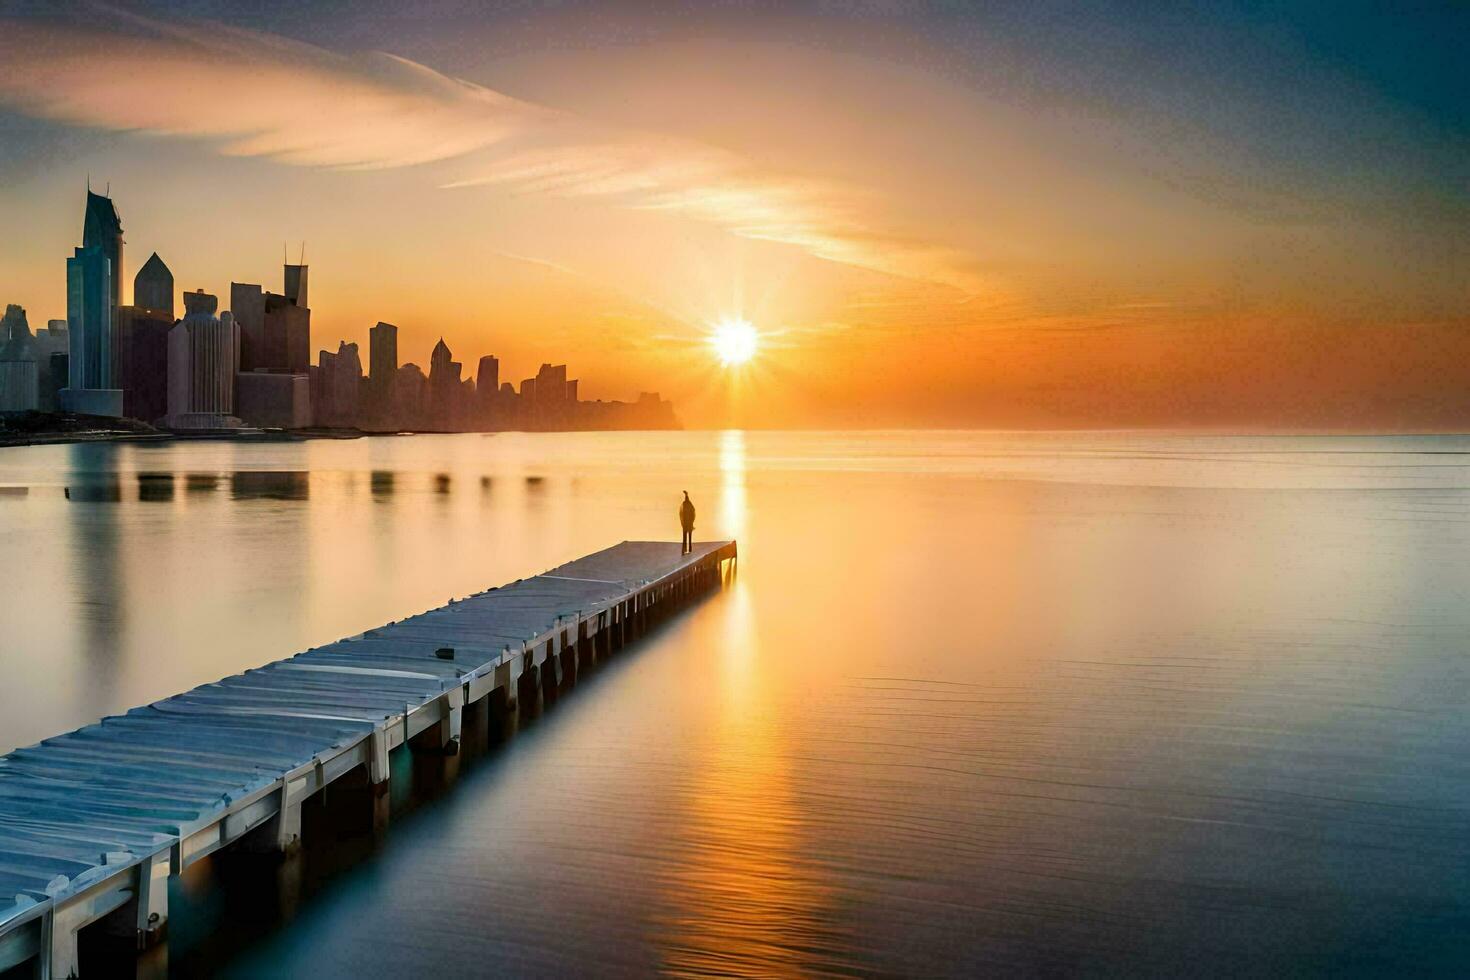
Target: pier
93 823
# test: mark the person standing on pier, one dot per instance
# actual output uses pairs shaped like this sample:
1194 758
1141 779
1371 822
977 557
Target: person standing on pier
686 519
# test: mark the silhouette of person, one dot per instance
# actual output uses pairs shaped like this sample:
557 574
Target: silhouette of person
686 519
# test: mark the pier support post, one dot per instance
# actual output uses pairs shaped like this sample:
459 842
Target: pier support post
287 828
378 761
455 729
61 959
281 834
528 686
508 682
443 736
570 655
152 900
551 676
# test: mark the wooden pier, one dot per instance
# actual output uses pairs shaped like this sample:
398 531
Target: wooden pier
98 819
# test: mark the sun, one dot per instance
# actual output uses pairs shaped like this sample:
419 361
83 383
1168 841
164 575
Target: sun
734 341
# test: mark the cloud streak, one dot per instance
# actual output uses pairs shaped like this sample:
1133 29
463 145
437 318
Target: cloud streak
261 95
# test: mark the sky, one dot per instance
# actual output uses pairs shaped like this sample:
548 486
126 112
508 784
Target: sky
1040 215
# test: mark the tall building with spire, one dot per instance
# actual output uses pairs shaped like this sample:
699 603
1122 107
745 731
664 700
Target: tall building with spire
92 295
275 329
153 287
102 228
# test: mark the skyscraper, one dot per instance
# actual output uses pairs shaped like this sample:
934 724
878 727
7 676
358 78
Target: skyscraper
153 287
444 389
487 379
19 389
337 386
549 401
487 392
287 335
275 330
411 397
52 341
93 292
277 384
383 354
247 303
203 359
142 359
102 228
89 316
382 376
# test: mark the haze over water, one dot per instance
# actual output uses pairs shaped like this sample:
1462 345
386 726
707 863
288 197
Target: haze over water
974 701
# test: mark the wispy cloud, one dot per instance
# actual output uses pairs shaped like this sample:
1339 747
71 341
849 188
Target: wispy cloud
262 95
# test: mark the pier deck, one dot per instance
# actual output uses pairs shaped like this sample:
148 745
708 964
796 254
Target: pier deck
99 818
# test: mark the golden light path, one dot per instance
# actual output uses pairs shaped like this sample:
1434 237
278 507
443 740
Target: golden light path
734 341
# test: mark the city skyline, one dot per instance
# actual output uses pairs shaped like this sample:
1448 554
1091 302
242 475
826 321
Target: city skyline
250 367
934 215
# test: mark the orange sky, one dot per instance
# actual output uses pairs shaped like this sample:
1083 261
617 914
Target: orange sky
924 233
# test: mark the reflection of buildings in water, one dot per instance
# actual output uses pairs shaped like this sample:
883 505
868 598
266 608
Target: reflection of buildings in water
270 485
486 484
382 484
201 482
442 482
95 488
155 487
99 602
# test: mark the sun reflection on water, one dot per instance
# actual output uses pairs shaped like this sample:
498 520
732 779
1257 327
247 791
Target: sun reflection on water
743 898
732 484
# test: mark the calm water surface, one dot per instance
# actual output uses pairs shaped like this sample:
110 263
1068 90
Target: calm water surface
1116 703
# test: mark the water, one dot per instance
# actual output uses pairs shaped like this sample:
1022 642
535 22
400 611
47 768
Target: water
974 703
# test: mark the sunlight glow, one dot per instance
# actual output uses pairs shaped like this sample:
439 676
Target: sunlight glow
734 341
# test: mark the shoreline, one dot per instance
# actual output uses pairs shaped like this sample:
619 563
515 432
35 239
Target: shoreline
16 440
20 440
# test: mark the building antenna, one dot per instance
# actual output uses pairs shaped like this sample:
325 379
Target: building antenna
303 251
285 256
